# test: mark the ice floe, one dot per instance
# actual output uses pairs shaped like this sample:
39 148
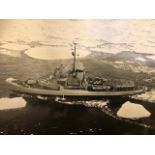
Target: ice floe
141 59
10 79
14 46
51 53
151 57
148 96
10 53
13 49
12 103
132 111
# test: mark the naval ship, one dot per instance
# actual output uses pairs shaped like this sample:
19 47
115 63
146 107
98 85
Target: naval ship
76 83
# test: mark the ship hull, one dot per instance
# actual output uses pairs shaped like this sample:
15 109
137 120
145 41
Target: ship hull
70 92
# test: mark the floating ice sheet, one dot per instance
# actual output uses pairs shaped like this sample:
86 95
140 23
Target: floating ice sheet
51 53
12 103
132 111
148 96
15 46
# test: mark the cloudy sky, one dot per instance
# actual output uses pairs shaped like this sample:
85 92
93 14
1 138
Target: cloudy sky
103 35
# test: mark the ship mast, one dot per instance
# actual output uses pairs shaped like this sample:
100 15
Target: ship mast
74 55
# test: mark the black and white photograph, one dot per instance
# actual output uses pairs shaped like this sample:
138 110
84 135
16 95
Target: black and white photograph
77 76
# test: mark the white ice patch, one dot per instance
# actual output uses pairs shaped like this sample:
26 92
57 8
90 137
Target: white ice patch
9 80
151 57
148 96
12 103
51 53
141 59
13 49
10 53
132 111
119 62
16 47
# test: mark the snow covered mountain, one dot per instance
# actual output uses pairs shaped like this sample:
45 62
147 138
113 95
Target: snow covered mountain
126 64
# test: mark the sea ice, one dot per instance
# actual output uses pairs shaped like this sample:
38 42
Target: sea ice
132 111
51 53
8 80
14 46
151 57
141 59
148 96
10 53
12 103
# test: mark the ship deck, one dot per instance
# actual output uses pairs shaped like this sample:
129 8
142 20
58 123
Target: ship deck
72 93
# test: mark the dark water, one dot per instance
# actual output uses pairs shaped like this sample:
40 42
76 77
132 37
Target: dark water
49 117
41 116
